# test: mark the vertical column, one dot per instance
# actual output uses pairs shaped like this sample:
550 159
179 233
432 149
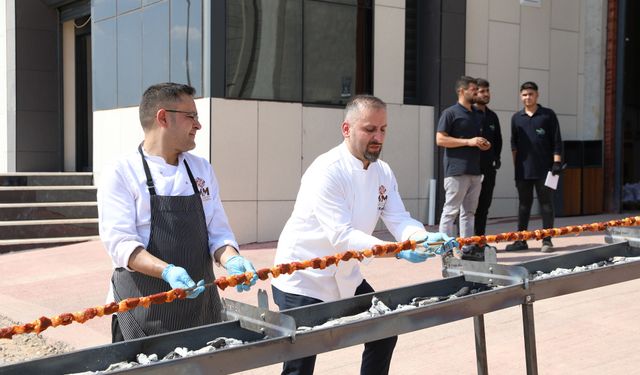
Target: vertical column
69 94
7 87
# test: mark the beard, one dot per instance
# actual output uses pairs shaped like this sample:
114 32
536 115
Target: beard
372 156
481 101
470 98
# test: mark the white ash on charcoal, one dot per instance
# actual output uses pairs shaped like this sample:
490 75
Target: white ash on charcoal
179 352
424 301
378 308
539 275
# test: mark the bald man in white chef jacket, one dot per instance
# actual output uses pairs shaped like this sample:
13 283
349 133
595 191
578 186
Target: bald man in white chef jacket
342 195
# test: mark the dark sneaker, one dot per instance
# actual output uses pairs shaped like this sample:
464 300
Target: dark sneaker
517 246
547 246
473 252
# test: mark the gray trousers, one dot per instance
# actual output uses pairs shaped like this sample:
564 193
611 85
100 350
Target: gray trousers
462 194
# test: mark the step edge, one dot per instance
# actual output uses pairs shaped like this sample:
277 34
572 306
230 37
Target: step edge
26 241
48 187
50 204
40 174
18 223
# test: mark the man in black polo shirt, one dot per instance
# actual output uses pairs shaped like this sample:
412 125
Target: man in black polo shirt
459 131
537 148
489 159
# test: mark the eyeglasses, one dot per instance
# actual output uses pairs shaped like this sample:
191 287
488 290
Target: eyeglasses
191 115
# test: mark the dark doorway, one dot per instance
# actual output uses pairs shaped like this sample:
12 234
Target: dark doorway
631 108
434 60
84 110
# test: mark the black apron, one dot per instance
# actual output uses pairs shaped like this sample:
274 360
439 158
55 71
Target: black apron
178 236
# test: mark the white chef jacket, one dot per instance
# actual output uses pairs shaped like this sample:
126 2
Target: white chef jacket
124 206
337 209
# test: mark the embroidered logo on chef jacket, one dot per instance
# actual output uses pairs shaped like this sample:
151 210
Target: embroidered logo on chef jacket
382 197
204 190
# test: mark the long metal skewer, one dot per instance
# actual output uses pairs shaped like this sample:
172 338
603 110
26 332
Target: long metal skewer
213 283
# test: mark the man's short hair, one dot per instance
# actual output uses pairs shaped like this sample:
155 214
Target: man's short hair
358 103
481 82
159 95
464 82
529 85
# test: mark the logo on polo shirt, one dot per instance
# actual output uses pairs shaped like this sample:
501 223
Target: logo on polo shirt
204 190
382 197
540 132
492 127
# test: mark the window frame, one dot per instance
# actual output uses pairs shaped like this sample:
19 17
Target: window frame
364 54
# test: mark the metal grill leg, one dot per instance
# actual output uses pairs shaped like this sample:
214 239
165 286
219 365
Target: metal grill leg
529 336
481 345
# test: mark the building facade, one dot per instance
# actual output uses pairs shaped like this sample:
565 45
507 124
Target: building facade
272 78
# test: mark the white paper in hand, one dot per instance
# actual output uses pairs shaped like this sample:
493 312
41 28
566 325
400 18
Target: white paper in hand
552 181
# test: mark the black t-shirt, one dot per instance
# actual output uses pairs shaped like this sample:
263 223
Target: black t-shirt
535 139
491 132
458 122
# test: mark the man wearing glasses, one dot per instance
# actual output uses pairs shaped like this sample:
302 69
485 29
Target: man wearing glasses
162 222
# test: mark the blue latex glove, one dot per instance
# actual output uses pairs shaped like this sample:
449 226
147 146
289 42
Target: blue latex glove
413 256
237 265
427 238
178 277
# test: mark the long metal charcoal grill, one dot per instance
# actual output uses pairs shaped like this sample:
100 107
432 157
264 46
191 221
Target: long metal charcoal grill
623 234
398 322
272 339
557 285
283 345
99 358
573 282
579 281
625 243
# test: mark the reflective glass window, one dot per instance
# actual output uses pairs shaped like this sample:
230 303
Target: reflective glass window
186 43
151 41
263 49
298 50
103 61
127 5
329 38
129 59
103 9
155 42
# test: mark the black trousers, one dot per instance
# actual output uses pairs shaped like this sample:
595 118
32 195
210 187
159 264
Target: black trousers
525 197
116 333
376 357
484 201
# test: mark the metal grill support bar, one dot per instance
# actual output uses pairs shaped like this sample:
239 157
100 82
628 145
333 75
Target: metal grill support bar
481 345
485 272
256 319
529 336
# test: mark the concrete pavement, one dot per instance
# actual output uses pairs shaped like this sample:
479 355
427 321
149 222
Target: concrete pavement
591 332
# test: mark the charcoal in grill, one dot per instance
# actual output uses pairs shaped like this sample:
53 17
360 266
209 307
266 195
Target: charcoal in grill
462 292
